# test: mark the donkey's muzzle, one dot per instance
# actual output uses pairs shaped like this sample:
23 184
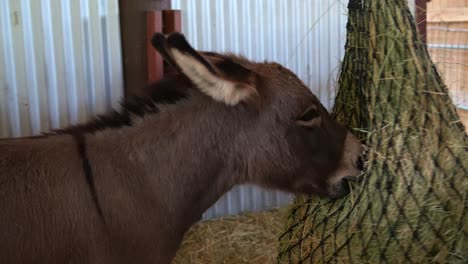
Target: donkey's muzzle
340 189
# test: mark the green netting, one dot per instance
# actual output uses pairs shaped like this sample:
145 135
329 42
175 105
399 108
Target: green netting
410 205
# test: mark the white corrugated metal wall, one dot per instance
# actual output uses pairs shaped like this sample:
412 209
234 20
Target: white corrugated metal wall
307 36
60 63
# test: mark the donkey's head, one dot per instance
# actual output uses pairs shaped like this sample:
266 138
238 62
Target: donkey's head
282 135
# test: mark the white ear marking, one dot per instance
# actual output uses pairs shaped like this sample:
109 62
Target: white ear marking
218 88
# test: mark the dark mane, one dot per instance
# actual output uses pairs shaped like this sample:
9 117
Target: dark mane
166 91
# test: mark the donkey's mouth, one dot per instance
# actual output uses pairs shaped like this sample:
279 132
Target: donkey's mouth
333 192
339 190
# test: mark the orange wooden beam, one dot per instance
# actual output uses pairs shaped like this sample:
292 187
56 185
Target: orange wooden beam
166 21
172 21
154 23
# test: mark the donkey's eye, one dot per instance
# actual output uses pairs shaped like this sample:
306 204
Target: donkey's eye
309 118
309 115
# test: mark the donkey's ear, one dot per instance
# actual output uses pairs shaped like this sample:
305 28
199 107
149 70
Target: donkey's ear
225 81
159 43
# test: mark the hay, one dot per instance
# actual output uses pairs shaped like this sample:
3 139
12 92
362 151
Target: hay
411 204
244 238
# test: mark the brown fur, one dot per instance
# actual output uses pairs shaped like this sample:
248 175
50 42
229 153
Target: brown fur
158 164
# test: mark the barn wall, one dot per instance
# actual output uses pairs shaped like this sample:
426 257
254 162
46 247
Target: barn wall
306 36
60 63
447 38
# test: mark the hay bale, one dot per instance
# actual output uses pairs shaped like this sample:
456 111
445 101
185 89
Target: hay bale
411 204
245 238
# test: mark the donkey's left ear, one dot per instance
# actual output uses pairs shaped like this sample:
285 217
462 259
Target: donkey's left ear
225 81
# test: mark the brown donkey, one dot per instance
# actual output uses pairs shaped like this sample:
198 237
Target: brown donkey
125 187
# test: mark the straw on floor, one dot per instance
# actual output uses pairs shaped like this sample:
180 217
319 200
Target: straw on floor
245 238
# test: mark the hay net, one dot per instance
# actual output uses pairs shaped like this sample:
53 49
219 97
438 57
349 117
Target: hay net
410 205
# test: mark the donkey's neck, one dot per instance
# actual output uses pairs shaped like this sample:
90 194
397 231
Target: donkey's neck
182 162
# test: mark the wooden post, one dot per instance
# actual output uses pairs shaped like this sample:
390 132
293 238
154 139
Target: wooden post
133 20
